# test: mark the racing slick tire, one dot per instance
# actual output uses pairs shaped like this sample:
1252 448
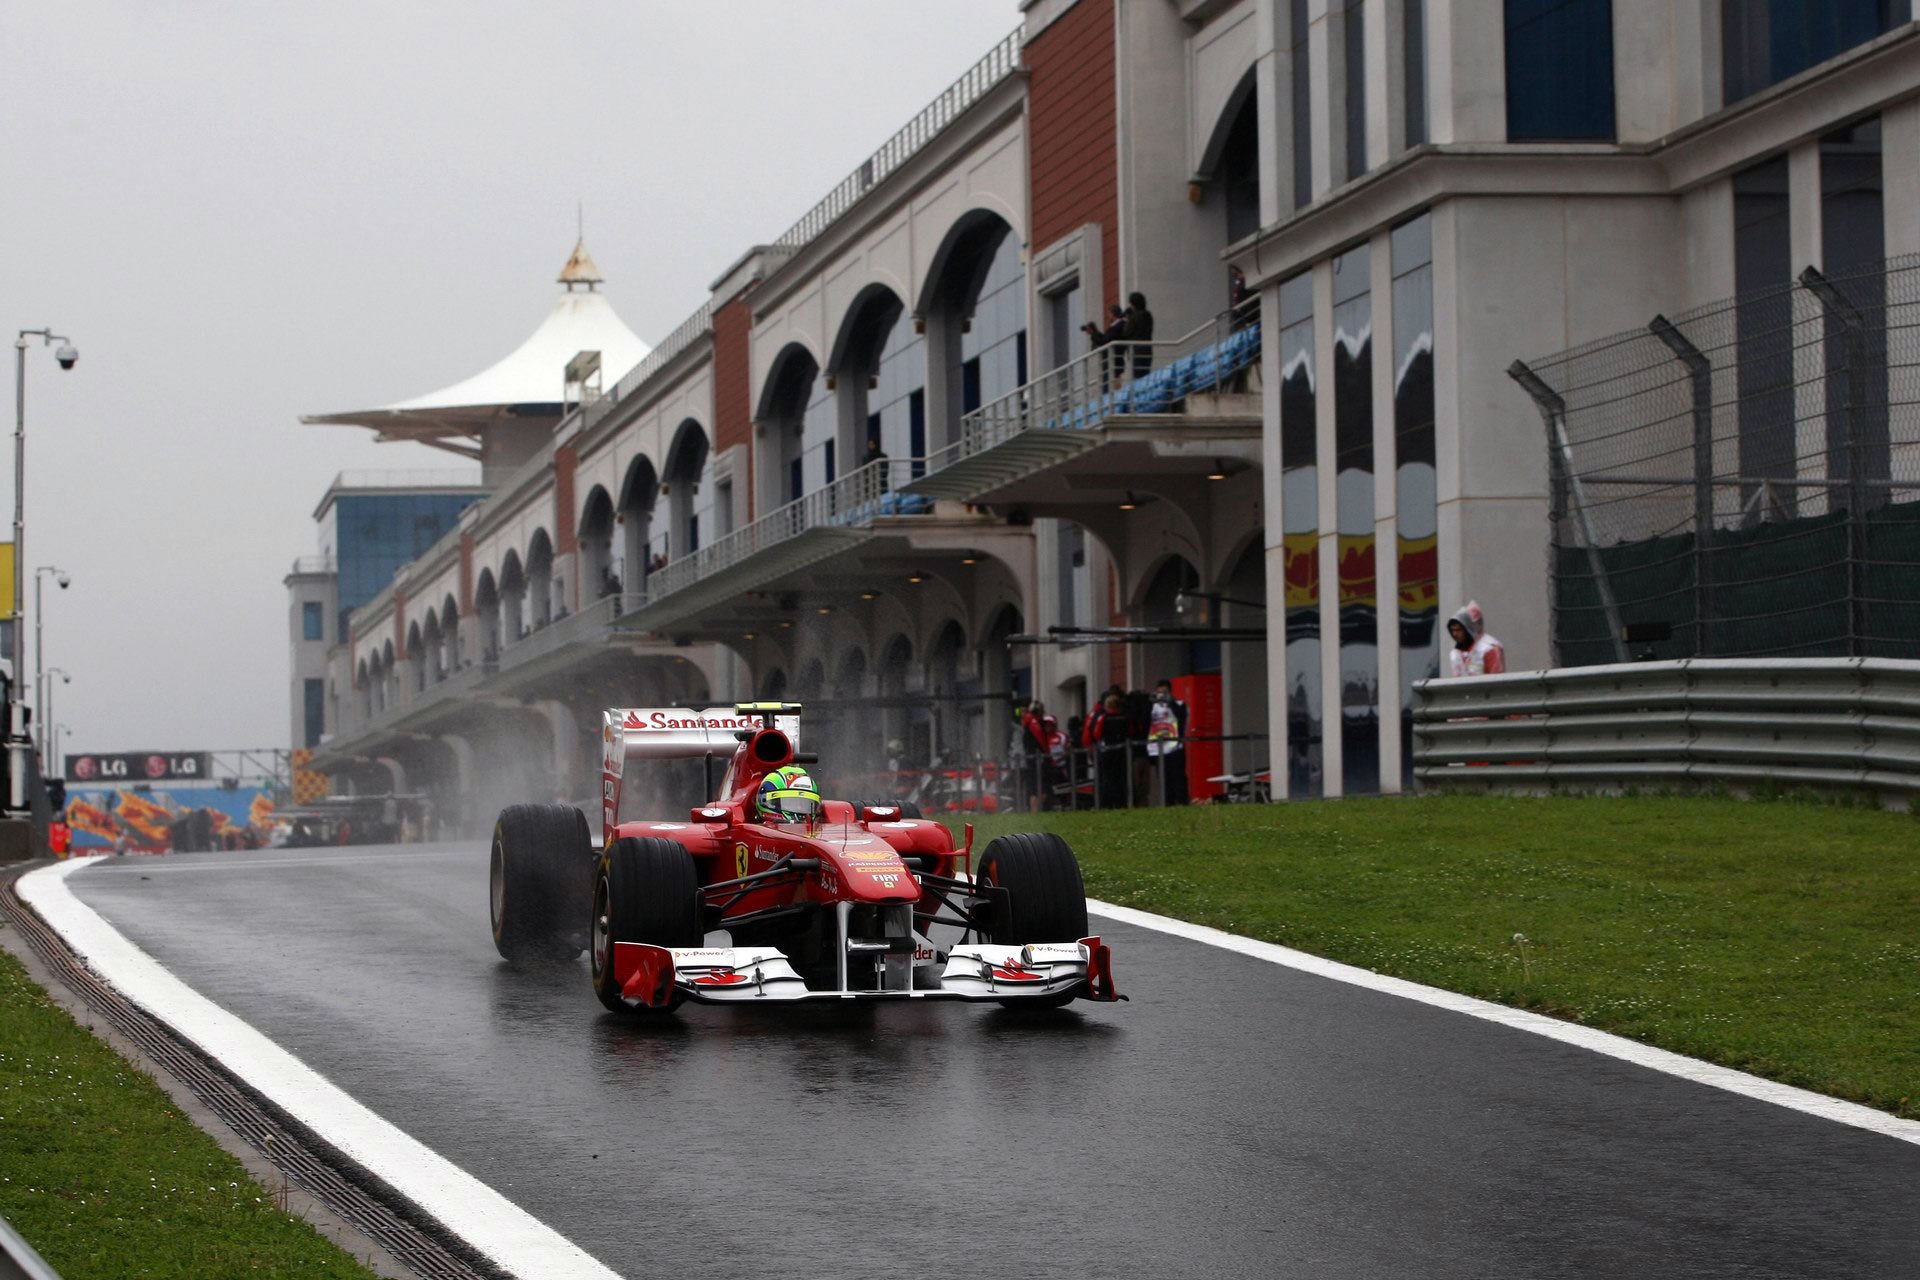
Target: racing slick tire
1046 900
646 891
539 879
908 809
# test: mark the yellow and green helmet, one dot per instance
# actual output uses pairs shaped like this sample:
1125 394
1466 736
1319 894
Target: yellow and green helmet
787 794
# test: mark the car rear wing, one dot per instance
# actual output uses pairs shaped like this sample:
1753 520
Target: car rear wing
676 733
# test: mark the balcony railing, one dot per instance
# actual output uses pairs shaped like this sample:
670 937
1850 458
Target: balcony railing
999 63
1120 379
591 622
314 564
852 501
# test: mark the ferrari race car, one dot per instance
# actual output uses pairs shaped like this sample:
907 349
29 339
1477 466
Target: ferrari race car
766 893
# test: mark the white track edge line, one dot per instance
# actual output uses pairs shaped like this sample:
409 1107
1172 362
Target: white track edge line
1603 1042
469 1208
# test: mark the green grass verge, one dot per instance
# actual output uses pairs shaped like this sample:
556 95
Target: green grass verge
1781 938
102 1174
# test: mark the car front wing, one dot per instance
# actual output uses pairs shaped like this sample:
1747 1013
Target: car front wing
652 977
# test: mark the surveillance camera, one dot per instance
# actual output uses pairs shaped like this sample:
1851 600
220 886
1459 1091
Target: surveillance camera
64 581
67 355
65 678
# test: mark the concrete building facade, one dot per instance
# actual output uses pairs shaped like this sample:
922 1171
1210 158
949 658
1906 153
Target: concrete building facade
886 445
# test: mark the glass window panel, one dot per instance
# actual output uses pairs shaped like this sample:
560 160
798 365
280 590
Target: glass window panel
1357 601
1763 331
1416 505
1355 39
1853 253
1559 70
1413 18
1766 41
1301 76
1300 537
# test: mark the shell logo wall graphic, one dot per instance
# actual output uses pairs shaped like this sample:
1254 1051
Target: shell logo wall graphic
149 821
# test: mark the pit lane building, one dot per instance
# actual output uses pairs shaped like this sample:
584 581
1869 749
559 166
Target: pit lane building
1402 197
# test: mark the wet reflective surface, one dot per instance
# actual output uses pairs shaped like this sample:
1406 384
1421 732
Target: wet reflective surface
1236 1119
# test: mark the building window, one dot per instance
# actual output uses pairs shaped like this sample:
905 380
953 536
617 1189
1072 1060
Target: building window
1416 494
1853 256
1559 70
1354 38
315 692
313 620
1302 85
1353 516
1763 42
1763 334
1300 536
1413 29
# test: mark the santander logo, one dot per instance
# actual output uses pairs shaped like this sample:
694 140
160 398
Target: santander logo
667 721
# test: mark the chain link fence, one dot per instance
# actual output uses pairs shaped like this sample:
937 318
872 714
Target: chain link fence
1741 480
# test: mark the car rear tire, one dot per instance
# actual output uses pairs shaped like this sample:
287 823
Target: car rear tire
908 809
1046 900
646 891
538 881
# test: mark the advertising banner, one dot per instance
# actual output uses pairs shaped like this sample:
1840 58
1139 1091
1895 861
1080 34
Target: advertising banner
157 820
140 766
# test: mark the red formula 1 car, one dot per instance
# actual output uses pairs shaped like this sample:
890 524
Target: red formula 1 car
744 903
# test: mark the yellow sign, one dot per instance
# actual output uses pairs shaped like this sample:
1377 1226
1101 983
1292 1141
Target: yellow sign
6 580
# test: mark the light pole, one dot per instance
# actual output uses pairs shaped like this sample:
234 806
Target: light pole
19 748
50 764
57 731
40 654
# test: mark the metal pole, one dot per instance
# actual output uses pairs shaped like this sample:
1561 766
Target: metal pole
39 662
17 745
1554 410
1702 372
1853 328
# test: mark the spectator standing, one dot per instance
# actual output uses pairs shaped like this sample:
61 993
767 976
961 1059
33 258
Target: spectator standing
1475 653
1106 734
1139 332
1167 743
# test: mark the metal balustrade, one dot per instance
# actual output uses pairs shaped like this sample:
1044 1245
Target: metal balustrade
1848 724
1120 379
853 501
594 622
1000 62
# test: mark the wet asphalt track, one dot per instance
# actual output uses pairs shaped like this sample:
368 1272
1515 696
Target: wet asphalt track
1236 1119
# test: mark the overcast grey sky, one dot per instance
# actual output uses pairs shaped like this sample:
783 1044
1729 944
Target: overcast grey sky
244 212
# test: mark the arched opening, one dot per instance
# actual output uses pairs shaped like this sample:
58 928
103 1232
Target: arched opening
513 600
635 515
1232 163
850 676
389 679
686 467
879 367
812 682
1244 662
362 691
450 656
797 419
976 322
944 684
1004 669
597 577
486 611
432 649
774 687
1161 606
900 721
541 596
416 660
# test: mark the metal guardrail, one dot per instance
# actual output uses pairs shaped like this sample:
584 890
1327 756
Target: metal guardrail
852 501
18 1260
998 64
1119 379
1850 724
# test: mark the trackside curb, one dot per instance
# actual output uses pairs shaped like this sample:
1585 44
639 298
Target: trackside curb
493 1225
1664 1061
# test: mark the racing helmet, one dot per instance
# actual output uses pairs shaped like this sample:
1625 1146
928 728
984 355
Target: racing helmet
787 794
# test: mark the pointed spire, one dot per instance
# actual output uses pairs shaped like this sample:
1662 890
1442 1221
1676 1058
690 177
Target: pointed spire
581 268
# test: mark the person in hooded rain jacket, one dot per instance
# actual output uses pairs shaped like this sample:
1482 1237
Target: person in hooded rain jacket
1475 653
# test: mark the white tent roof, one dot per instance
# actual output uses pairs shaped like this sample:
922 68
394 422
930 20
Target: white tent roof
529 380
